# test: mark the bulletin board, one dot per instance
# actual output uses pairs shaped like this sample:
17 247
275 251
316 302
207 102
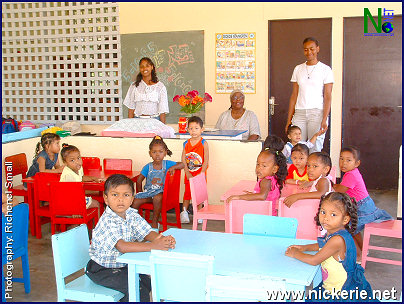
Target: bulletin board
235 62
179 61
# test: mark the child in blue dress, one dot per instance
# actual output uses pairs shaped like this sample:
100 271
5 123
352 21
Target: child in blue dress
155 174
341 274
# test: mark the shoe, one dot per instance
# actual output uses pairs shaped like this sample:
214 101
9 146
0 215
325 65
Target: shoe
184 217
200 221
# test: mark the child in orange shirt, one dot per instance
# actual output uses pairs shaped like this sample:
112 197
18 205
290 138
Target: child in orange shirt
195 157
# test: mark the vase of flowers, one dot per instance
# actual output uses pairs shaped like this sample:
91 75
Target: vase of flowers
190 104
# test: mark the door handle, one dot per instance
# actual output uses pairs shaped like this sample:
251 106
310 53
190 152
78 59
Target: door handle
271 105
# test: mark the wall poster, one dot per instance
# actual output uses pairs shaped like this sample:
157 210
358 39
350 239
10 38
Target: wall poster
235 62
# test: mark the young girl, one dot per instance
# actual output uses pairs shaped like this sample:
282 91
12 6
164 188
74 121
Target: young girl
271 171
155 174
147 96
352 184
73 170
297 172
337 214
318 167
47 159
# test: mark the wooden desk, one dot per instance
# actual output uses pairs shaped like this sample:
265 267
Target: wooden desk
234 254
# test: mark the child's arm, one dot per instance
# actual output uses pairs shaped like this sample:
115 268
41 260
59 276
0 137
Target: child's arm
184 161
41 165
156 241
265 185
177 166
206 157
332 247
340 188
139 183
321 187
314 138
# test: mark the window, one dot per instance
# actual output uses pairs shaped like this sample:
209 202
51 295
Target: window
57 64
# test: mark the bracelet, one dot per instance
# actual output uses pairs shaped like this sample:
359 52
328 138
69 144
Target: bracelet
296 182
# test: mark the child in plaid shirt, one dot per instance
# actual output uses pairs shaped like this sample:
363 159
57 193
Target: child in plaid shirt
121 229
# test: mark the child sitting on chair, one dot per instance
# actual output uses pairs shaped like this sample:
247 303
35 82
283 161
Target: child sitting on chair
352 184
155 174
271 171
120 230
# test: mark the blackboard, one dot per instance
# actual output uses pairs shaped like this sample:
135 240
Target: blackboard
178 58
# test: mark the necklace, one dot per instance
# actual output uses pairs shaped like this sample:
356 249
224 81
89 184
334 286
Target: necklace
308 74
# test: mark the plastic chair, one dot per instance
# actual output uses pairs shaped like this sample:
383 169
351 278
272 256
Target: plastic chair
236 209
199 194
116 165
390 229
243 289
304 211
42 193
171 200
91 163
67 199
266 225
70 254
179 276
19 166
18 232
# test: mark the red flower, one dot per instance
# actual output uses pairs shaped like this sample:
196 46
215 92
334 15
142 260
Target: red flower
176 97
193 93
207 98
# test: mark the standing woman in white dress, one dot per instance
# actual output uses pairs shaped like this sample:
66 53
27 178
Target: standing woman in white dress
310 102
147 96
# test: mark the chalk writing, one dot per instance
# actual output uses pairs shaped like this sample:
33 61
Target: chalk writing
180 54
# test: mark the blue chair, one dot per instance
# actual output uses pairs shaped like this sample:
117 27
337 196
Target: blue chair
70 254
179 276
251 288
267 225
15 228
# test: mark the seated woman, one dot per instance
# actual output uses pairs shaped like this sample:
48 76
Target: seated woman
238 118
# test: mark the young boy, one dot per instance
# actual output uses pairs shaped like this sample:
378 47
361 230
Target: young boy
121 229
295 135
195 157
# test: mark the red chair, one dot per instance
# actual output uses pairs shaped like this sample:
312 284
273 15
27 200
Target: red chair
92 167
91 163
67 199
42 193
171 200
20 166
116 165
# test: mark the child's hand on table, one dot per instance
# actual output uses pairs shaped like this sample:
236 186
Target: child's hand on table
163 242
232 197
291 250
290 200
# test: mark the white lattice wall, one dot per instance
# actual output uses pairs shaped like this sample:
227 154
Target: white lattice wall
61 61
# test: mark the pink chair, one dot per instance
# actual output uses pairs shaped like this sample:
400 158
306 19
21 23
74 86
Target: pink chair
235 210
389 229
199 194
333 174
304 211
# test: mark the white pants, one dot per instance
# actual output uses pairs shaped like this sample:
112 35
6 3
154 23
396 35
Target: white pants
309 121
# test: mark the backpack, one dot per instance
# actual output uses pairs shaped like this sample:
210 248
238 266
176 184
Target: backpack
26 125
9 125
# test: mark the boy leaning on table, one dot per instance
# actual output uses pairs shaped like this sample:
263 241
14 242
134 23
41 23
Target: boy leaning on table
121 229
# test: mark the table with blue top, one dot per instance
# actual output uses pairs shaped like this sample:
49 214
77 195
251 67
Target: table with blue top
235 254
217 134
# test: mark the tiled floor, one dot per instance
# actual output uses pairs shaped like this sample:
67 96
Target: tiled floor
43 287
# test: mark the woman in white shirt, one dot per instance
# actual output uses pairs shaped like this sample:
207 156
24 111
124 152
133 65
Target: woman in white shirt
238 118
310 102
147 96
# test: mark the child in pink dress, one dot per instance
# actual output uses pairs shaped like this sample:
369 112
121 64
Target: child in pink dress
271 170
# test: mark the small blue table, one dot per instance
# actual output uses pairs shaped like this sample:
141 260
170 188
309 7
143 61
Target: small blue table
218 134
234 254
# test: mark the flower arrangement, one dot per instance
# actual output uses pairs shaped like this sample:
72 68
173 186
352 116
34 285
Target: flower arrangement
192 102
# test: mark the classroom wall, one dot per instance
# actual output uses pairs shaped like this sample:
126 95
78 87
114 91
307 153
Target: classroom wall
227 164
141 17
